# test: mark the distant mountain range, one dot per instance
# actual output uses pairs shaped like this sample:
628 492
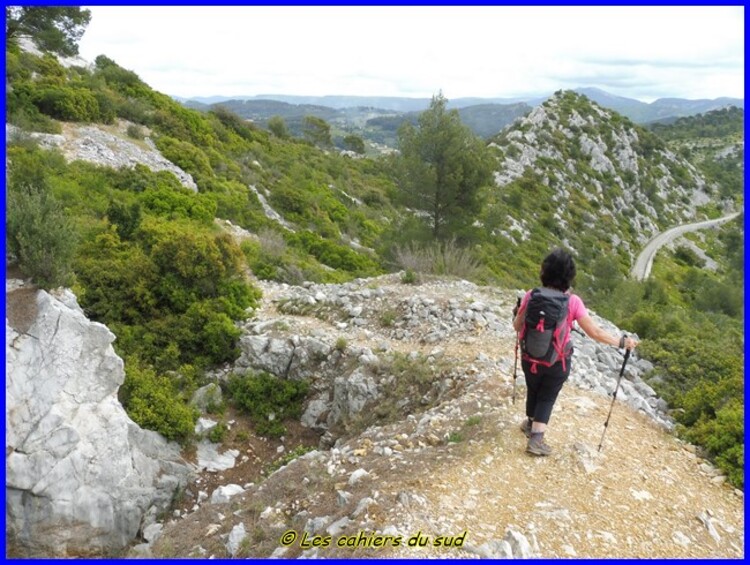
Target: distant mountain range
377 118
639 112
391 103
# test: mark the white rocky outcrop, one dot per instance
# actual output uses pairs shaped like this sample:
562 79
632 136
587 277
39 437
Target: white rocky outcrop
80 474
270 213
96 145
350 381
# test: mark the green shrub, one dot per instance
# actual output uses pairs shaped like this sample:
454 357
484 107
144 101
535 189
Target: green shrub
173 291
473 421
126 219
218 433
687 256
713 417
107 104
207 335
388 317
68 104
118 280
287 458
135 131
334 255
153 402
409 277
23 113
268 400
179 203
40 235
134 110
185 155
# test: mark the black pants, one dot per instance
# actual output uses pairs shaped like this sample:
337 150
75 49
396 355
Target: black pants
542 388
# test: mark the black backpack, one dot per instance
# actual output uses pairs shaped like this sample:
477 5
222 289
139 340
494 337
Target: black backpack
545 336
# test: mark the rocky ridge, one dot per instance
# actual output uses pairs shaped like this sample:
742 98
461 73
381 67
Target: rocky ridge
587 153
453 460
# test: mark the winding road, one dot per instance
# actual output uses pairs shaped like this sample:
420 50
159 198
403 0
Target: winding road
645 260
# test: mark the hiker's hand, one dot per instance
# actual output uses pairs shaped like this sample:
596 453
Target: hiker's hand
519 297
630 343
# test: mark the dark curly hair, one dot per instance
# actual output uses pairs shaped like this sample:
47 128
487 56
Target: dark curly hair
558 270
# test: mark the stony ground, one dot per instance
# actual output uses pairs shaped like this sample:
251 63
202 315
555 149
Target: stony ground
460 466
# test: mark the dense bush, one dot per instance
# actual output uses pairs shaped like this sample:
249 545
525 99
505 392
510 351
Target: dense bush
173 291
154 403
118 280
185 155
268 400
179 203
23 113
68 104
40 235
334 255
714 418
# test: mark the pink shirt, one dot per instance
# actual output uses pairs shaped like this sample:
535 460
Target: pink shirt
576 309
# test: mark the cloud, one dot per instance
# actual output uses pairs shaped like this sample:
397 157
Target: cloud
484 51
728 62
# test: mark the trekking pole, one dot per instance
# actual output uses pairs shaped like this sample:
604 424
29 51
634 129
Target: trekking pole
622 371
515 363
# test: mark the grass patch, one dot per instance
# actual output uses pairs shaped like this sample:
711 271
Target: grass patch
409 388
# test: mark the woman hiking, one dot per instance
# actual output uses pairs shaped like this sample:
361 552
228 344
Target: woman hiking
543 322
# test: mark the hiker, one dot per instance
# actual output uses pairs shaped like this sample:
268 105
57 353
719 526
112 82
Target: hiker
543 321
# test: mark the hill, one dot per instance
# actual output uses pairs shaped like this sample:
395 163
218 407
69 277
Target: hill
576 173
639 112
390 103
373 124
662 108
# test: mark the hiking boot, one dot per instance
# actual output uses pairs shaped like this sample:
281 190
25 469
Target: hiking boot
537 446
526 427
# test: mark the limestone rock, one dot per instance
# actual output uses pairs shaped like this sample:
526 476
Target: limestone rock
519 544
236 537
357 476
210 459
223 494
80 474
207 397
351 394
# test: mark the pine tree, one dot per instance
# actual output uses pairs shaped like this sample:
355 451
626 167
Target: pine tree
53 29
442 167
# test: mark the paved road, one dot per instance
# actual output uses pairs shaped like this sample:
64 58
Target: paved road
645 260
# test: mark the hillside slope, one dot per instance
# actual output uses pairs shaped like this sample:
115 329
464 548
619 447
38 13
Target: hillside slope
460 465
573 173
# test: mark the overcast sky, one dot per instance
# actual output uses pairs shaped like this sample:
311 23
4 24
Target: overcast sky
641 52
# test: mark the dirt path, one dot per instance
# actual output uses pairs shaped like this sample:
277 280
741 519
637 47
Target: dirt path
640 497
